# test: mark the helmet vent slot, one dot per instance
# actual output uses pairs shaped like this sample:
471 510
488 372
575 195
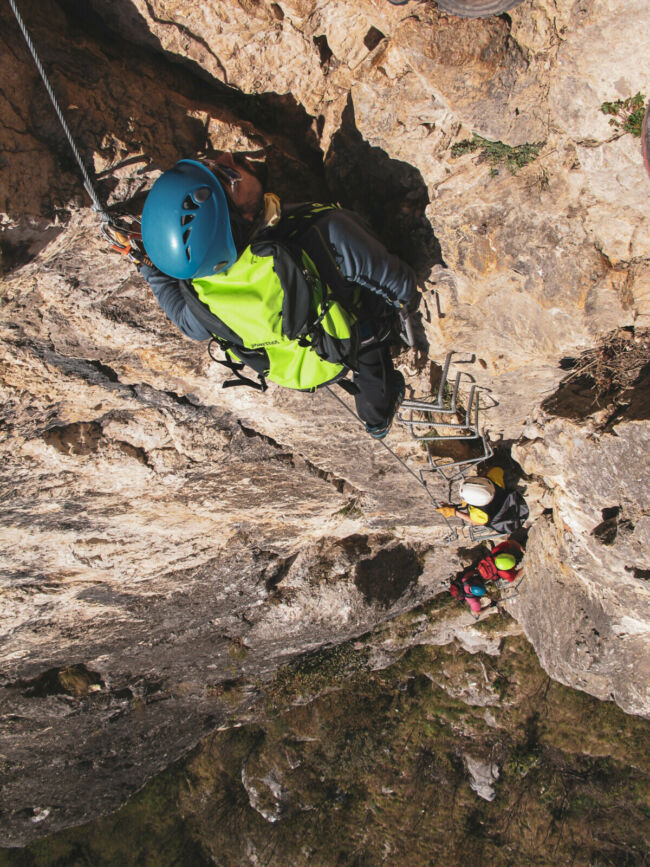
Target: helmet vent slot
186 218
186 235
188 254
189 204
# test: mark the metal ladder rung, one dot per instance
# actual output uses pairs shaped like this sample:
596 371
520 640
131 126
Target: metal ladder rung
436 465
467 425
431 422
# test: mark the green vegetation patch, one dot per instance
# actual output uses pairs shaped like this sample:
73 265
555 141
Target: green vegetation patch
373 771
149 831
626 114
315 673
350 510
497 154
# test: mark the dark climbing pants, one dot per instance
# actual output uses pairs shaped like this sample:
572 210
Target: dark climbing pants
376 383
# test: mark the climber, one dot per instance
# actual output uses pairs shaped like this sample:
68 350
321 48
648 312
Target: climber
302 294
487 502
502 562
470 587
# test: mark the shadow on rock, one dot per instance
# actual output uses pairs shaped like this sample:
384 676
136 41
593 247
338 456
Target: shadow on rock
387 576
391 194
278 119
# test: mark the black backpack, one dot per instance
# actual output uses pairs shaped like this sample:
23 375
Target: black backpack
511 514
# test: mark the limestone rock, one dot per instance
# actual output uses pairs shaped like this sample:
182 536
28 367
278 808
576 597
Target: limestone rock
482 776
585 599
167 543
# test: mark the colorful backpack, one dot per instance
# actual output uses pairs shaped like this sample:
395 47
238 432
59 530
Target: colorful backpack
457 586
314 340
487 569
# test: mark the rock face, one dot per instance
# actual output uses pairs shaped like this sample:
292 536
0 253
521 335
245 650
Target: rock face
482 777
163 537
590 562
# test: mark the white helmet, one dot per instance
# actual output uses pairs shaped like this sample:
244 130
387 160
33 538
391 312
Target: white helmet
477 491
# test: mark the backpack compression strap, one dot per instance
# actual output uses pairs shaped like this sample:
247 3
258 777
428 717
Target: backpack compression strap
224 340
235 367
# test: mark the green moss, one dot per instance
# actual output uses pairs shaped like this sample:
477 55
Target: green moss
148 831
350 510
522 760
498 154
440 602
314 673
493 624
232 692
626 114
237 649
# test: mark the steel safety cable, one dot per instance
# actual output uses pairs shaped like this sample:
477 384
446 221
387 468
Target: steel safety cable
397 458
87 182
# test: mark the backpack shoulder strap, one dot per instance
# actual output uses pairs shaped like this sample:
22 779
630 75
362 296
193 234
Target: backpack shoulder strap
307 268
303 232
295 220
227 340
205 316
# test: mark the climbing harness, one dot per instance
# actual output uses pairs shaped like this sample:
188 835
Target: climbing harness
122 237
126 238
235 367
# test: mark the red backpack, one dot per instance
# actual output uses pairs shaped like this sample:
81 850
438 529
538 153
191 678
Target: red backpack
487 569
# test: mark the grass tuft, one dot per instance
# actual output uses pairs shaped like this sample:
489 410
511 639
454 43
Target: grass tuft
626 114
497 154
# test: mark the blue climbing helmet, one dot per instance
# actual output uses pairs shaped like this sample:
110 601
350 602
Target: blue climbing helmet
186 223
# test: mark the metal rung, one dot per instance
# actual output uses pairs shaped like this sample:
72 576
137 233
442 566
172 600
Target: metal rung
453 533
488 452
421 406
467 425
479 532
461 467
443 378
438 406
